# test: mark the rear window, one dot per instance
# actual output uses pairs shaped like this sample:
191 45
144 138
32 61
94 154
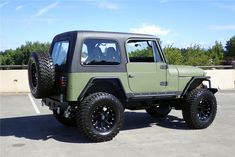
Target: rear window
59 52
100 52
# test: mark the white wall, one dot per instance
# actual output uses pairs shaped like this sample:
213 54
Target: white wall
14 81
17 80
222 79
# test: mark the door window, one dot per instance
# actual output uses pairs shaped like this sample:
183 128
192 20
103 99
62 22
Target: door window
143 51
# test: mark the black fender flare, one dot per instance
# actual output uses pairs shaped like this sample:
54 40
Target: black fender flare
115 81
196 81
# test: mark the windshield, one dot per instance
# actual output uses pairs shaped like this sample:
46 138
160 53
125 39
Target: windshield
59 52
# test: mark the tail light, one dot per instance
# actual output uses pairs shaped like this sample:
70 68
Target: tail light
62 84
62 81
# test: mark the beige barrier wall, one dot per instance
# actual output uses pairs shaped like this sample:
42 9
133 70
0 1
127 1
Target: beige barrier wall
14 81
17 80
222 79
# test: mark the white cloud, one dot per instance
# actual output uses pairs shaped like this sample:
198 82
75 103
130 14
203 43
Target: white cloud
150 29
225 6
108 5
164 1
202 43
46 8
19 7
48 20
222 27
3 4
103 4
166 43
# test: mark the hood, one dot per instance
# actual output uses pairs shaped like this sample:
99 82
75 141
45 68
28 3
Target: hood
185 71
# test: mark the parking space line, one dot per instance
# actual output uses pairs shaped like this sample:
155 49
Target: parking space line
33 103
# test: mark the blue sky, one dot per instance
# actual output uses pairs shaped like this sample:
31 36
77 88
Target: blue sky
177 22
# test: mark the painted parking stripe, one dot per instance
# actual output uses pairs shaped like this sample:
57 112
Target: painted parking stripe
33 103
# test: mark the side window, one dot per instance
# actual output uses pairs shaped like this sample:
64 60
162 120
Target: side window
140 51
158 56
100 52
59 52
84 53
143 51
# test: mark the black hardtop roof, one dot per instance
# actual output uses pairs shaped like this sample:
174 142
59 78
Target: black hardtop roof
122 35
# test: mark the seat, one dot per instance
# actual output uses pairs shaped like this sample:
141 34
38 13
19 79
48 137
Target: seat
112 55
94 56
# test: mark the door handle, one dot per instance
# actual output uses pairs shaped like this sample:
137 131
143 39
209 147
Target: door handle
131 76
165 66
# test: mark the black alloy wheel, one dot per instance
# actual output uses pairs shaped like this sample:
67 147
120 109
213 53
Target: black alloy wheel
199 109
100 116
34 75
103 118
204 109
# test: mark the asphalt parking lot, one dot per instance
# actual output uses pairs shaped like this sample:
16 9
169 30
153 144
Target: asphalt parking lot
30 130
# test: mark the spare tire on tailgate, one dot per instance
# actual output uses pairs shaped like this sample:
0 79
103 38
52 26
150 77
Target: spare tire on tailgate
41 74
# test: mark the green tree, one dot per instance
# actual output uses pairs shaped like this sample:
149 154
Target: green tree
216 53
173 55
6 57
147 52
24 51
196 56
20 56
230 47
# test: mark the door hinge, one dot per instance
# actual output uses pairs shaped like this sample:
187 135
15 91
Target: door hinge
164 83
165 66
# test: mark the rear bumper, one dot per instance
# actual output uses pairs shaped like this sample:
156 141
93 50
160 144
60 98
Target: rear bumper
53 104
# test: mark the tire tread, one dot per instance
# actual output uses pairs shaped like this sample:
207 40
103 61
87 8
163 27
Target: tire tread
46 74
190 101
83 114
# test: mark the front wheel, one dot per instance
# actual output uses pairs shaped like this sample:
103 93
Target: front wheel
199 109
100 116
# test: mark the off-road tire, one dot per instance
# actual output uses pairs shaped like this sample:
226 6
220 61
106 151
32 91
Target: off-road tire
199 109
161 110
41 74
70 121
91 115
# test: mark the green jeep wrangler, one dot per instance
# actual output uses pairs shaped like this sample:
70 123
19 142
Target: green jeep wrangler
88 78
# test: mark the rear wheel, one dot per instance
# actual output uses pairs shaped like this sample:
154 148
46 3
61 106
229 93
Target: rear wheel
161 110
200 108
100 116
